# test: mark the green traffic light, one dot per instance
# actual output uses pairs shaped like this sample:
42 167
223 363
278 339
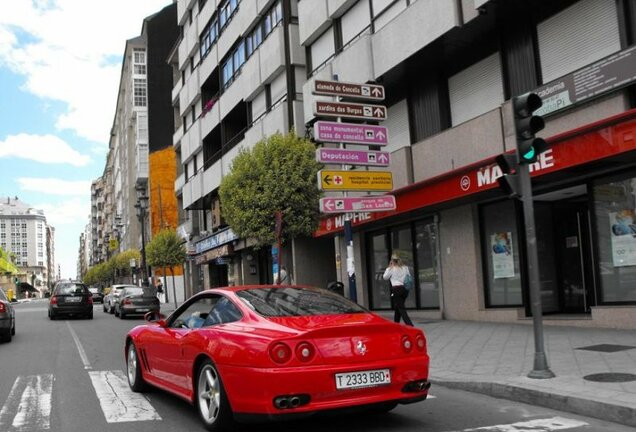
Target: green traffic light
529 155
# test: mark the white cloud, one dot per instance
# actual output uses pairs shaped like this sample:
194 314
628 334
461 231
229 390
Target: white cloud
65 48
41 148
66 212
53 186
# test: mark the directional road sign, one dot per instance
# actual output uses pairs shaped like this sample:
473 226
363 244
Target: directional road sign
352 133
353 157
350 110
355 180
350 90
359 204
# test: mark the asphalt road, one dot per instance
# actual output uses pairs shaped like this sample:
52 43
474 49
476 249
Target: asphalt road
60 376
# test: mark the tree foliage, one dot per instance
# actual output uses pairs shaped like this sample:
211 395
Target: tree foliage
166 249
278 174
117 265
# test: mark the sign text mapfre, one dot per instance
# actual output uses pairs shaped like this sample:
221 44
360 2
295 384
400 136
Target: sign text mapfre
349 90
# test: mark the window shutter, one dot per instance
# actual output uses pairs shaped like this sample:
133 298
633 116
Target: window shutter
476 90
397 123
577 36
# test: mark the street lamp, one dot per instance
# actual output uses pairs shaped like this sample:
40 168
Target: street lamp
141 207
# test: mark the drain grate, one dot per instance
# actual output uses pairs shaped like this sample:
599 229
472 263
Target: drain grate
607 348
611 377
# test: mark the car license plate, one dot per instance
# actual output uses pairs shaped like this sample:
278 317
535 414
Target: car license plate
371 378
73 299
143 310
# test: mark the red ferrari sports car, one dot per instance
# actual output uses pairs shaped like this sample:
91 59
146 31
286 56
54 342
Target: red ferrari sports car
268 352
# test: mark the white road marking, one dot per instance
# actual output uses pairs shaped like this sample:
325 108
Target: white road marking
119 403
80 348
539 425
30 400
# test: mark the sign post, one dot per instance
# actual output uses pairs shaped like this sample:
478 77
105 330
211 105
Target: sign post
345 180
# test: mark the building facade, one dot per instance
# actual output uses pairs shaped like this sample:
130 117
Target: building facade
239 71
450 70
25 234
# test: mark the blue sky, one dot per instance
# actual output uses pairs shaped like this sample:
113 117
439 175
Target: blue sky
59 75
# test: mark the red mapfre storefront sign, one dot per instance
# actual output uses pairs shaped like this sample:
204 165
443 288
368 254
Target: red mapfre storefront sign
595 141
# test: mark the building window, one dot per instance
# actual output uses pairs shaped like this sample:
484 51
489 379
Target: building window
615 211
139 92
500 252
139 62
208 37
227 9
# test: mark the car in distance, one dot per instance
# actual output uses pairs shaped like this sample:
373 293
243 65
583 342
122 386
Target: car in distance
136 301
276 352
112 297
70 298
7 318
98 297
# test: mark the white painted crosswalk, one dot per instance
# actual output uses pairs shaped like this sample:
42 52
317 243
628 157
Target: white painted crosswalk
118 402
28 405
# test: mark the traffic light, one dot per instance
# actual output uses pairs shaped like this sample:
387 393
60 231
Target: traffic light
509 181
527 125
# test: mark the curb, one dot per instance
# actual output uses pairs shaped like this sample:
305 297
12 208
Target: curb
577 405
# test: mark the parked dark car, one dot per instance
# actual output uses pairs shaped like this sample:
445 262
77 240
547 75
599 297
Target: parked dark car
71 298
98 296
136 300
7 318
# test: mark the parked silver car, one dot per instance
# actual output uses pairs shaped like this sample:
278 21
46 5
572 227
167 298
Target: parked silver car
7 318
112 297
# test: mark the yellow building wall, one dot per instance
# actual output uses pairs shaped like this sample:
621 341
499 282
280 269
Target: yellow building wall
163 200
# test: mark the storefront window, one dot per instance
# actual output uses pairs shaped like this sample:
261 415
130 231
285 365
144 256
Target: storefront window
379 258
615 211
426 252
421 258
500 245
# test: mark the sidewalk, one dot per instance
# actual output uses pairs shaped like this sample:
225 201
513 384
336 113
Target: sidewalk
495 359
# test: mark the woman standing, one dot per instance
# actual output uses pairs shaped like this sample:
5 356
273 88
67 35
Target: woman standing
396 272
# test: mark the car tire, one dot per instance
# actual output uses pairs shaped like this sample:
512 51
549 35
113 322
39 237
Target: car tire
90 315
13 329
211 400
111 310
116 312
122 315
133 370
52 316
6 337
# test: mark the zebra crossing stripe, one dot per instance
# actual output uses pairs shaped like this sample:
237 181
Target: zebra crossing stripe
30 400
119 403
539 425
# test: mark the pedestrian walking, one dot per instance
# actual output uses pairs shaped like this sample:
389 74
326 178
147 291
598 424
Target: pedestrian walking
399 277
160 291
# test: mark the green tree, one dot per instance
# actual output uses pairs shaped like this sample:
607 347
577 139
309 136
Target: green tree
121 262
278 174
166 249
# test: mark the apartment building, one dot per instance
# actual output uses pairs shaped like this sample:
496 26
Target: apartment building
25 234
450 69
239 70
140 165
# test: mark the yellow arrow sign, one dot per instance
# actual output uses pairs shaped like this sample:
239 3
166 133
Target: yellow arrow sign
355 180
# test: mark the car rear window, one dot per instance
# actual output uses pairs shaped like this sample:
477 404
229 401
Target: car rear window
295 301
71 288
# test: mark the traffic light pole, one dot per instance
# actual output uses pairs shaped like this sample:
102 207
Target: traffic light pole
540 369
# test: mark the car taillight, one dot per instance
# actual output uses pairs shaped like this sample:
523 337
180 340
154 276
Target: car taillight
420 343
280 353
90 300
54 300
305 351
3 308
127 302
407 344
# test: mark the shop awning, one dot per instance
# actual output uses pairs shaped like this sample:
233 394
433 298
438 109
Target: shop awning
25 286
